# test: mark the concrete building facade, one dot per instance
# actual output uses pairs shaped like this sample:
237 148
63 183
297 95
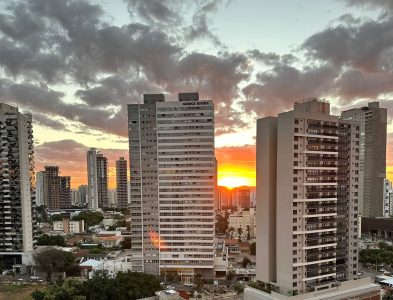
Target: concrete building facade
307 198
57 189
372 161
387 198
17 182
97 178
172 168
40 191
121 183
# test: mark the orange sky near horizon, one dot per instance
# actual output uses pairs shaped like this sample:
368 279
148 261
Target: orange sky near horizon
236 166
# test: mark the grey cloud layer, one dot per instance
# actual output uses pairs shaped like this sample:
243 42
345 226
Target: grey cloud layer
48 42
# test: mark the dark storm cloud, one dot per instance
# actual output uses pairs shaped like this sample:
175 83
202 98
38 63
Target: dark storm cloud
353 84
47 121
384 4
367 46
63 41
280 86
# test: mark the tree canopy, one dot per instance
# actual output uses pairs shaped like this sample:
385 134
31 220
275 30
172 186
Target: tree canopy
126 285
51 240
253 248
377 256
51 260
91 218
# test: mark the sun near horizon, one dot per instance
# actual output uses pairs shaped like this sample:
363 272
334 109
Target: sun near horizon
233 182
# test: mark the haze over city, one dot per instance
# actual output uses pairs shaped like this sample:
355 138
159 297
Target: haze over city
76 65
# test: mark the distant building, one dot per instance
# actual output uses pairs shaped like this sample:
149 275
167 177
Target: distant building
224 198
75 197
372 157
241 196
236 198
17 188
57 189
244 220
40 191
97 177
68 226
112 198
83 194
388 198
121 183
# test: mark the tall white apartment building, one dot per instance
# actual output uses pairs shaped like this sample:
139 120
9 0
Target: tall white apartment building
307 198
17 184
97 179
172 168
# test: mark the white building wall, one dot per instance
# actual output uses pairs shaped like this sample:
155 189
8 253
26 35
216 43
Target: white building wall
186 169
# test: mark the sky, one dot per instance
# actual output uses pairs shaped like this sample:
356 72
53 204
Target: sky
76 64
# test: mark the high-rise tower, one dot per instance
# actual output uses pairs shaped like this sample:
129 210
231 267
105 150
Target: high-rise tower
372 158
97 178
172 168
17 183
307 198
121 183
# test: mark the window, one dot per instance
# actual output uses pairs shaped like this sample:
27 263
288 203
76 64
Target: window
294 244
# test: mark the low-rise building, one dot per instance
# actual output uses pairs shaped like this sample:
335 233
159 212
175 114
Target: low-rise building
68 226
244 220
109 239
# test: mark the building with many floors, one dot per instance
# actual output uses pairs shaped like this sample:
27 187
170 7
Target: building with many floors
57 189
172 167
97 178
17 185
121 183
307 198
372 158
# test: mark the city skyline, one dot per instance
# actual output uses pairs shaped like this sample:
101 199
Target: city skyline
75 67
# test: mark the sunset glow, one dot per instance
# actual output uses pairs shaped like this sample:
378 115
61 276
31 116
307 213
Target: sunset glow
232 182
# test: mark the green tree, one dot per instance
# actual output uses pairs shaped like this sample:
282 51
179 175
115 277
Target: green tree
230 275
199 282
246 261
50 261
91 218
221 224
248 232
124 286
56 217
51 240
126 243
42 215
240 232
239 288
253 250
